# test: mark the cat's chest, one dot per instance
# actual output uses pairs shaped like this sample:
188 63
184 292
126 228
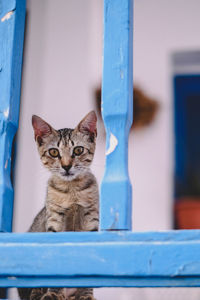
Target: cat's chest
74 218
69 204
65 200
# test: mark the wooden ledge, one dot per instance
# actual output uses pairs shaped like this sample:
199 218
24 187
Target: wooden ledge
99 259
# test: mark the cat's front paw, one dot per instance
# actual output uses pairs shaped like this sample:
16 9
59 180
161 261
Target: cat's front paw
52 296
71 298
89 297
36 294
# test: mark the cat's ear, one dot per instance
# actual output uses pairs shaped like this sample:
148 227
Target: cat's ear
41 129
89 124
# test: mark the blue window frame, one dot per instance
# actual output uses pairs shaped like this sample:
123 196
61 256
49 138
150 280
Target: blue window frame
115 256
187 104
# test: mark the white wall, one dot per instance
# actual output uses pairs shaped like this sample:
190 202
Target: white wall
62 67
161 27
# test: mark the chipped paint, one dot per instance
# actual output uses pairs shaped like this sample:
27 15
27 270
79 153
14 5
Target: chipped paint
6 164
102 105
7 16
116 217
112 144
12 20
121 54
6 112
114 225
12 278
150 261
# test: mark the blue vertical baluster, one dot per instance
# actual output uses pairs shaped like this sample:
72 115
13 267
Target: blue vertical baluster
117 113
12 22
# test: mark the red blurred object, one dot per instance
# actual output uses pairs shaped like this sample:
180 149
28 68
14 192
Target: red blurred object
187 213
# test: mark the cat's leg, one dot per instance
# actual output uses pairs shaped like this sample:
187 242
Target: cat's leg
90 215
37 293
55 294
54 219
83 294
24 293
91 220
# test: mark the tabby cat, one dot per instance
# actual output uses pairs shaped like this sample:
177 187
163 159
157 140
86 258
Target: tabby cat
72 193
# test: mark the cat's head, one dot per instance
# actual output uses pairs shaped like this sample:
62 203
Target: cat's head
66 152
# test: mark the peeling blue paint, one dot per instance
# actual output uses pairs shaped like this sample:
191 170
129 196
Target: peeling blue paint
100 259
117 108
12 22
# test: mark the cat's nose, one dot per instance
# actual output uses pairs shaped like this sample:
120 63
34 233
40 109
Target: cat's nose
67 168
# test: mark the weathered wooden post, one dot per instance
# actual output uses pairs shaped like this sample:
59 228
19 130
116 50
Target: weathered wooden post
12 22
117 109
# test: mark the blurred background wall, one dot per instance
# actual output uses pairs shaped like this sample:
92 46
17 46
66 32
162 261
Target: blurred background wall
61 70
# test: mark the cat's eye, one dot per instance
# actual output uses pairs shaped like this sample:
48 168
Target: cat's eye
54 152
78 150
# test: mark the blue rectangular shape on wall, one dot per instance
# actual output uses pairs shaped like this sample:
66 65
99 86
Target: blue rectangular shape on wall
187 141
12 22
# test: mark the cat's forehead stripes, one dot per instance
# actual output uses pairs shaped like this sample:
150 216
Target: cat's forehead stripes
60 138
65 136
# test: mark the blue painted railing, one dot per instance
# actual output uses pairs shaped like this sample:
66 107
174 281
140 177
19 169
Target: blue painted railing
100 259
12 20
117 111
115 256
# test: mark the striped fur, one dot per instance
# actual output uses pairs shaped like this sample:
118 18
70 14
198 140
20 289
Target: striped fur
72 200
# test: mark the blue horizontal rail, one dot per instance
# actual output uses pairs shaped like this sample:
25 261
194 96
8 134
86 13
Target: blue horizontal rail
99 259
